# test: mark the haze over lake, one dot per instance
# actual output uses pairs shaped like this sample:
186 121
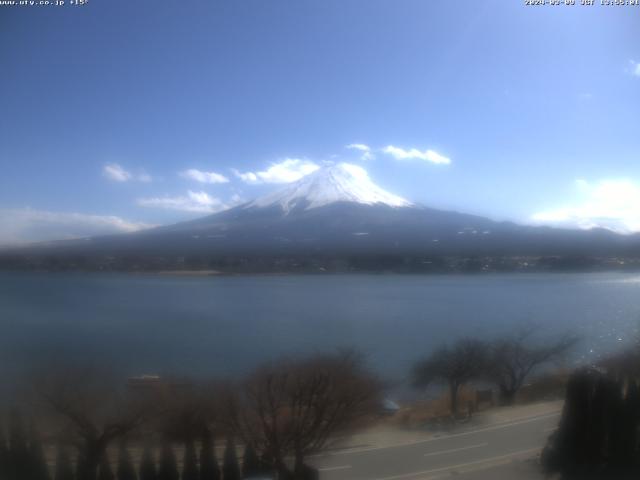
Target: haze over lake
225 325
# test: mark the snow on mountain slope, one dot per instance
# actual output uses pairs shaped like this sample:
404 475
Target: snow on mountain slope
343 182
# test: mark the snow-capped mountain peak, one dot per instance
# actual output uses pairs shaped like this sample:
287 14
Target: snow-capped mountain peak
342 182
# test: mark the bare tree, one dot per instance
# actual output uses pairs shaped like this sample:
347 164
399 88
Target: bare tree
187 411
190 412
512 359
295 408
452 365
93 409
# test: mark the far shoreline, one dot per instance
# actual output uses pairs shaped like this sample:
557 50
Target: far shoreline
315 273
185 273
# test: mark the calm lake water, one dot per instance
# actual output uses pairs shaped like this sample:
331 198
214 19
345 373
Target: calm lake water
225 325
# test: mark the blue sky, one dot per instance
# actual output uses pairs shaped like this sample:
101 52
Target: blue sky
121 114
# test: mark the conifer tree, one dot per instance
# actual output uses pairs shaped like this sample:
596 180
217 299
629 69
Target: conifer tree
168 465
209 469
37 461
18 461
190 462
4 453
632 412
230 466
568 446
64 469
105 472
251 464
148 464
598 433
633 408
81 472
617 427
126 470
598 418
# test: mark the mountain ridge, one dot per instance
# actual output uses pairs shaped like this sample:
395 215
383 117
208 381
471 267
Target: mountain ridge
336 214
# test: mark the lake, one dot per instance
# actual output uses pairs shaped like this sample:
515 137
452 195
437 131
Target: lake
225 325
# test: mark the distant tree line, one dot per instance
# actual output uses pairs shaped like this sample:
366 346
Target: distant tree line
506 362
278 415
409 262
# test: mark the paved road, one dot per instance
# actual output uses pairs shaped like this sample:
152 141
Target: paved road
471 454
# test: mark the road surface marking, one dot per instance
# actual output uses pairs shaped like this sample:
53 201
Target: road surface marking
461 465
443 437
452 450
329 469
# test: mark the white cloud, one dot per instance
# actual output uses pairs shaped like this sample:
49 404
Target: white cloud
634 68
247 177
204 177
367 154
287 171
23 225
236 199
144 177
115 172
611 204
200 202
415 154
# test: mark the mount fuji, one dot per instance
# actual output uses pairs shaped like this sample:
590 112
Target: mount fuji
336 213
343 182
